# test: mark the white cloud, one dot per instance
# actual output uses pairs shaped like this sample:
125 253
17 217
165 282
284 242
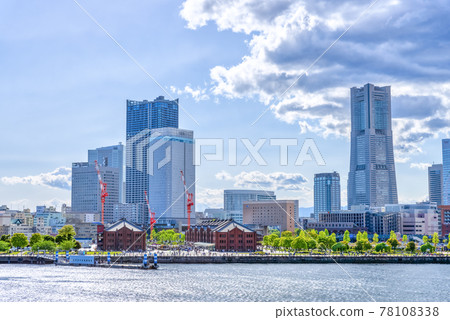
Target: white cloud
420 165
197 94
286 36
208 198
60 178
270 181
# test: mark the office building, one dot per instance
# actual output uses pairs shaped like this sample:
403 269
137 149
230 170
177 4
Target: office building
132 212
327 193
86 189
280 214
445 220
371 179
233 201
142 118
171 151
435 183
446 171
112 157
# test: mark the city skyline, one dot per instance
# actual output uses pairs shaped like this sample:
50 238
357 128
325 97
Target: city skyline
85 111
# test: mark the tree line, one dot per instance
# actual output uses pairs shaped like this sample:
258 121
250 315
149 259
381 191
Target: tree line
311 239
64 241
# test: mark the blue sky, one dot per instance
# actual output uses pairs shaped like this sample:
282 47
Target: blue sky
64 83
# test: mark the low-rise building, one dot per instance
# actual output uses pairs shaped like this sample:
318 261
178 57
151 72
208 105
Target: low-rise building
445 220
281 213
123 235
227 235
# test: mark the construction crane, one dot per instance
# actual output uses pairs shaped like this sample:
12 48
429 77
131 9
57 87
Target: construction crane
151 216
189 199
103 193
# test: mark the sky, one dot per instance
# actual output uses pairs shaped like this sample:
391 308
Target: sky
244 70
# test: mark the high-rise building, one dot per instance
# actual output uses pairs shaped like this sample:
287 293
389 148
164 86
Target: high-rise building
371 179
86 189
233 200
109 157
327 193
142 117
435 183
446 171
171 151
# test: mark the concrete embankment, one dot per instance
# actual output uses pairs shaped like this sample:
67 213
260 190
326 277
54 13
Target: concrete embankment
7 259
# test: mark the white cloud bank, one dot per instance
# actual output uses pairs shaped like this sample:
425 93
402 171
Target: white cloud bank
60 178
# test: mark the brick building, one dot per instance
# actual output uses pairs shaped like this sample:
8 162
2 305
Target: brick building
445 220
225 234
123 235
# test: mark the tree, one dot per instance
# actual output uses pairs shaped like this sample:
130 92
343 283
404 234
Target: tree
286 233
326 232
285 242
382 247
35 238
375 238
68 232
77 245
393 242
411 246
358 236
435 239
272 238
313 234
48 238
448 245
4 246
44 245
265 241
331 240
425 239
297 232
393 235
5 238
303 234
346 236
405 238
276 243
67 245
59 239
275 231
365 236
340 246
19 240
312 244
299 243
426 247
363 245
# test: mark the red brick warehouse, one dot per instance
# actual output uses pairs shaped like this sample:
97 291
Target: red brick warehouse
124 235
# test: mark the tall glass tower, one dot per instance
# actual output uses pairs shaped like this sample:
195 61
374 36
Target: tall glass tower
371 180
327 193
446 171
435 183
142 117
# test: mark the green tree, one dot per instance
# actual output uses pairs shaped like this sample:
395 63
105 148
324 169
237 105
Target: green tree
326 232
393 242
346 236
272 238
363 245
35 238
77 245
59 239
276 231
67 245
67 231
48 238
313 234
435 239
448 245
425 239
44 245
375 238
19 240
276 243
303 234
426 247
331 240
358 236
4 246
405 238
340 246
411 246
312 244
297 232
6 238
393 235
365 236
299 243
382 247
287 234
285 242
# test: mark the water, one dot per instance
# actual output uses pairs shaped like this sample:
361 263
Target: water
227 282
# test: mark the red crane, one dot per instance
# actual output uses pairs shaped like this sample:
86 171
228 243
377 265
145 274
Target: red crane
151 216
103 193
189 199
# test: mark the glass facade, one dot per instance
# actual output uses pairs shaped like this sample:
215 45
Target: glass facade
446 171
233 200
371 179
327 193
435 183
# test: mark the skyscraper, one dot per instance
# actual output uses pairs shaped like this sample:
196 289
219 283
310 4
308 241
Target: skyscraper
109 157
327 193
446 171
435 183
170 151
143 116
86 189
371 179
